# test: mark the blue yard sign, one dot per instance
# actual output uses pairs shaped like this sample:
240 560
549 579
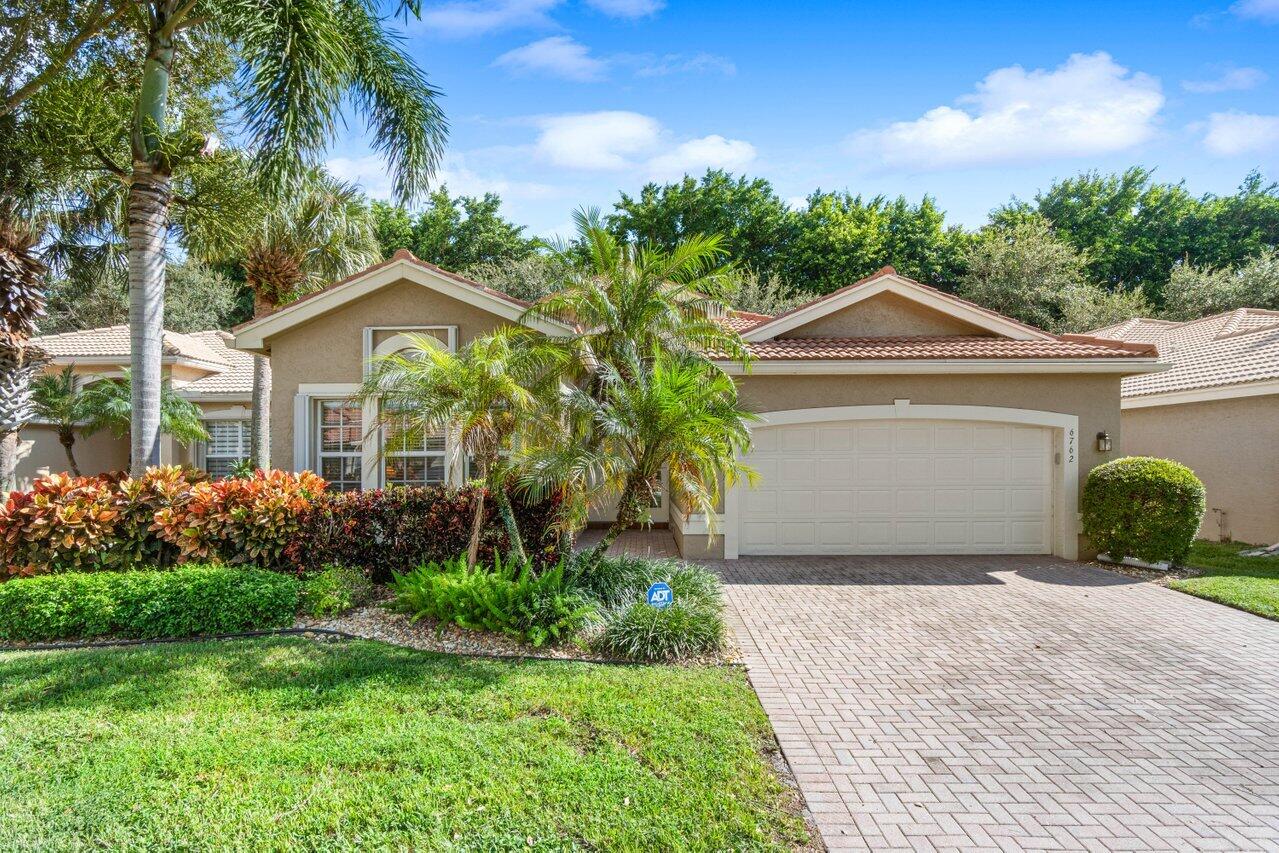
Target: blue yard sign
660 595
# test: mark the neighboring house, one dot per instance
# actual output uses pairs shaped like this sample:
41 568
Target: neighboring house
895 418
202 366
1216 410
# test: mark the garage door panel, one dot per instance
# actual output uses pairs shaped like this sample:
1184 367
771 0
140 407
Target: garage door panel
899 487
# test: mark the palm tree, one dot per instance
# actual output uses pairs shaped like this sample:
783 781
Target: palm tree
107 404
301 66
321 231
59 401
484 395
632 302
672 411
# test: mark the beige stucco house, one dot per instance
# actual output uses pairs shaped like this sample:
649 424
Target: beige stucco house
894 418
1216 410
202 366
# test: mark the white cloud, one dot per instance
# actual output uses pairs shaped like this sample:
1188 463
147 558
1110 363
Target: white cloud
1230 80
627 8
1234 133
556 56
603 140
627 141
679 63
476 17
698 155
1088 105
1266 11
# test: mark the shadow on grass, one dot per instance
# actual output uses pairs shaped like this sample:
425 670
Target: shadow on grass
289 672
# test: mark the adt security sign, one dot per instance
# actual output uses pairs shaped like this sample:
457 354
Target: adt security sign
660 595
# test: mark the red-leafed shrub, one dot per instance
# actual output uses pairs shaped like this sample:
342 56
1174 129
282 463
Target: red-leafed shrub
241 521
396 529
69 523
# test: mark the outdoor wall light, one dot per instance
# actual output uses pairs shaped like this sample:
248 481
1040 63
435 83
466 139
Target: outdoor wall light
1103 442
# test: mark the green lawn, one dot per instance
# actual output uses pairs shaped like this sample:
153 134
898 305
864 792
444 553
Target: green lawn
1249 583
293 744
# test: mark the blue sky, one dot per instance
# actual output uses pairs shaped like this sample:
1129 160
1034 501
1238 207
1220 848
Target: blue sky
557 105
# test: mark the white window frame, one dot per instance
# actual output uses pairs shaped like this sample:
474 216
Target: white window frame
321 454
441 454
246 441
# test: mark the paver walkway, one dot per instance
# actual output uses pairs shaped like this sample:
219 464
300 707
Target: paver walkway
1012 702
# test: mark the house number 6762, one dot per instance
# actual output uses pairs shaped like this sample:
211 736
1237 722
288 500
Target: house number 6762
1070 445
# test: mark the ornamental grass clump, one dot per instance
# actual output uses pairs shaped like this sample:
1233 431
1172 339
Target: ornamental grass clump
1143 507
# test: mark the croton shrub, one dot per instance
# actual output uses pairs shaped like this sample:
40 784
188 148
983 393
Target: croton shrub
385 530
271 520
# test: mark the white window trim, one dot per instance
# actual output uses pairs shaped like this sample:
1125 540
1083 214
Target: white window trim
1065 467
365 455
239 414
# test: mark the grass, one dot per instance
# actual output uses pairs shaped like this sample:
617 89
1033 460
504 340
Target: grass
1249 583
292 744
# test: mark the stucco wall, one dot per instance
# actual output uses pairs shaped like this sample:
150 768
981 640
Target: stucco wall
40 454
1233 445
884 315
330 348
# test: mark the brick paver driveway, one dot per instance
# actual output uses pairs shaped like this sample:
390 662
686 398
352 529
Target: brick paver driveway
1016 702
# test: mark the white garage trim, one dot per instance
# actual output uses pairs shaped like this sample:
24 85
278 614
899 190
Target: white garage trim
1065 467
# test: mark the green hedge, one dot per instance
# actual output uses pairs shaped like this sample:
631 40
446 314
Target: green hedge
1143 507
188 601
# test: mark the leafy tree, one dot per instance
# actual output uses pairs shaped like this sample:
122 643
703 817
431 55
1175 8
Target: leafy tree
63 400
675 413
484 395
453 232
1195 292
197 297
1134 230
754 223
529 278
1024 271
842 238
299 66
765 294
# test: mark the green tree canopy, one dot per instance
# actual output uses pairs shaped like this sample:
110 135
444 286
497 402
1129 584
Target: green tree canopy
454 232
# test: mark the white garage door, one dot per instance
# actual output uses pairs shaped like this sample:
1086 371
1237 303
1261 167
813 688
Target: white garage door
899 487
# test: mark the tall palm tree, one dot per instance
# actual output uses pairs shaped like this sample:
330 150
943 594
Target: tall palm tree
301 67
632 302
670 411
484 396
323 230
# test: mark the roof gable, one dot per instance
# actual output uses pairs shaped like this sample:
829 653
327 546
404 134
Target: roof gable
977 320
402 266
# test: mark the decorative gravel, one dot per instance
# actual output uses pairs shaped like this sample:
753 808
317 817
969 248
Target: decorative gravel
376 622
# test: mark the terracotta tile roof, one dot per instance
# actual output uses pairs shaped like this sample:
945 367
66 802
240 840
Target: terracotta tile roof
942 347
400 255
1230 348
237 380
740 321
113 342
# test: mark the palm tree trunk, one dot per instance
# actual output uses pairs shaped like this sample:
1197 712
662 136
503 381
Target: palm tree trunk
515 543
260 424
150 193
67 439
477 525
8 462
629 506
149 197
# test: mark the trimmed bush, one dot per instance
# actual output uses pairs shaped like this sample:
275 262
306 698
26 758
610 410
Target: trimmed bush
1143 507
335 590
391 530
693 625
188 601
511 599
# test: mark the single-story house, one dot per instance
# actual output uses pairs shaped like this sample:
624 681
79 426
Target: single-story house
1215 409
202 366
895 418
